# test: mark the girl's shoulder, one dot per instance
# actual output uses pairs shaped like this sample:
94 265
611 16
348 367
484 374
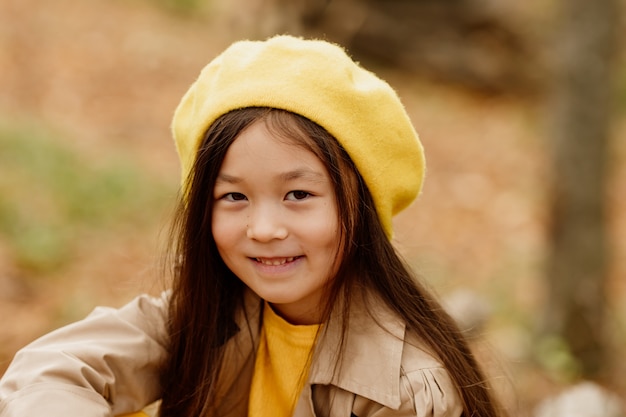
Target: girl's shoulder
416 355
386 366
424 380
425 386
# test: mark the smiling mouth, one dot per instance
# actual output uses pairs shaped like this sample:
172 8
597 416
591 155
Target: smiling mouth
276 261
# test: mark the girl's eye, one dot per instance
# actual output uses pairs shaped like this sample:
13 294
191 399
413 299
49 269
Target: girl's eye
297 195
234 197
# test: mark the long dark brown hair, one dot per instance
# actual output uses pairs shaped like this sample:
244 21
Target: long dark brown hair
206 294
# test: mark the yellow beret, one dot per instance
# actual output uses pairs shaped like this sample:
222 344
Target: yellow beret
318 80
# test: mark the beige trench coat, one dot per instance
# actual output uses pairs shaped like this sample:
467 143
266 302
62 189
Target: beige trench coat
107 364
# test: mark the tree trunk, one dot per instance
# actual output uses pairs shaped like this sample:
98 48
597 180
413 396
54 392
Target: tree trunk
580 114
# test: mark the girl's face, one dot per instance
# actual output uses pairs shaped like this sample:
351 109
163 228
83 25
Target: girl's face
275 221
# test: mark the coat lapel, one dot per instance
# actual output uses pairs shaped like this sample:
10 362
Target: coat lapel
370 364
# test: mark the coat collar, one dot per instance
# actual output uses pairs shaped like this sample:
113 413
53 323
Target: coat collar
370 364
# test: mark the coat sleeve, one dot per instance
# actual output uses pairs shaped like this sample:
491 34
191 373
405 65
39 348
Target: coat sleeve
104 365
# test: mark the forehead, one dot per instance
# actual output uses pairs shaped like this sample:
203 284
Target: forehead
259 148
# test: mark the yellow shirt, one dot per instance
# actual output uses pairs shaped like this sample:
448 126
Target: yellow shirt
281 366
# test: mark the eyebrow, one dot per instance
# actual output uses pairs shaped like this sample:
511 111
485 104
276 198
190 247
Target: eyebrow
303 173
229 179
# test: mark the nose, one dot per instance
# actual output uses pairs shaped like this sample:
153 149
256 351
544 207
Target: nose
265 224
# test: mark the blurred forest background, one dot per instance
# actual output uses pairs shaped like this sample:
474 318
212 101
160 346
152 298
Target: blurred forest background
521 228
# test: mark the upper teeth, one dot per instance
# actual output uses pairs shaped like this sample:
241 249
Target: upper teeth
275 261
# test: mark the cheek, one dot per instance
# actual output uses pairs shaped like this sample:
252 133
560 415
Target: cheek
332 238
324 230
224 231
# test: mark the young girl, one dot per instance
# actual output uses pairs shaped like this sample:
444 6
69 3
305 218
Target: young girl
288 297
